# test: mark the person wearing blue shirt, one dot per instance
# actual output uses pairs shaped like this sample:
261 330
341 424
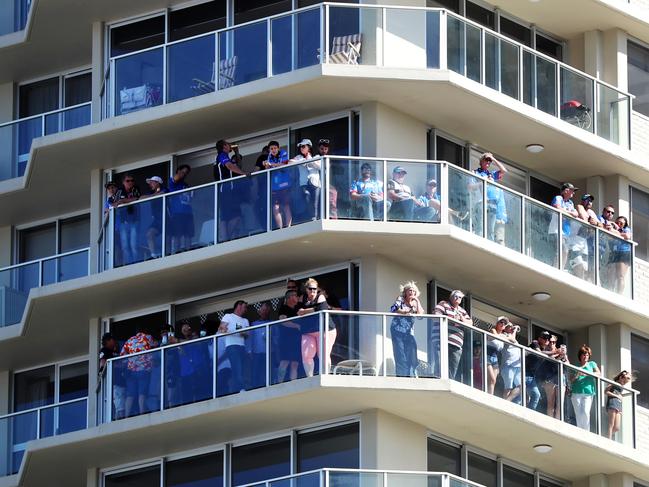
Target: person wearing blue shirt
428 204
621 255
153 233
227 167
366 194
181 215
563 202
496 208
281 181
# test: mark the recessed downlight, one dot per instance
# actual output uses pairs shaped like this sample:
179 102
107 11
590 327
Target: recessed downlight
534 148
541 296
542 448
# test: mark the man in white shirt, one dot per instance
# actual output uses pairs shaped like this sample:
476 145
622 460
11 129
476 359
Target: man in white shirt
235 345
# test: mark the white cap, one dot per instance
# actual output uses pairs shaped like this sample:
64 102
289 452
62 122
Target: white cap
305 142
157 179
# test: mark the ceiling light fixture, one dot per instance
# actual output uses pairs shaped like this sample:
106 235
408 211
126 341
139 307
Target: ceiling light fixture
534 148
541 296
542 448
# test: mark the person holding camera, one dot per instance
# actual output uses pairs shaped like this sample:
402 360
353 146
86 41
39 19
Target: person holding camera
496 208
511 359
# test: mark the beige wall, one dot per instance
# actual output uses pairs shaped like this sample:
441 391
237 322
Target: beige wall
5 246
389 442
386 132
6 136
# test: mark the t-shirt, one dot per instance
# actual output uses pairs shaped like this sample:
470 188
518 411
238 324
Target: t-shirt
181 203
425 200
366 187
130 213
455 331
139 343
402 190
402 324
494 193
584 384
259 163
234 323
567 206
221 171
287 311
281 178
106 353
511 355
258 342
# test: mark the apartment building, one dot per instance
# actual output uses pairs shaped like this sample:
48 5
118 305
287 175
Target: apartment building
399 100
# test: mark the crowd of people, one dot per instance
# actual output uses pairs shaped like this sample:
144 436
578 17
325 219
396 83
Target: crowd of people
295 345
504 355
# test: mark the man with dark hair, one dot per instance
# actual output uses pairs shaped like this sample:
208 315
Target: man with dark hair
138 369
227 167
281 181
181 213
289 347
235 344
127 219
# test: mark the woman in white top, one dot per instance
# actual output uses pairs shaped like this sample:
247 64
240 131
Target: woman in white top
313 183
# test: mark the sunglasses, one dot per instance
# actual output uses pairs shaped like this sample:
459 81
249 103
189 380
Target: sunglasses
609 211
553 341
128 180
312 288
323 141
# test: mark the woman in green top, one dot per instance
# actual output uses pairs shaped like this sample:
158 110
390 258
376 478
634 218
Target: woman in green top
583 388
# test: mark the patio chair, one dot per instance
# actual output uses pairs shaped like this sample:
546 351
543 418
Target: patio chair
227 71
138 97
346 49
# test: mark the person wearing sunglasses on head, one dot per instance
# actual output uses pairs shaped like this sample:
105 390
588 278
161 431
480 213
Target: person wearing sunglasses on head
324 145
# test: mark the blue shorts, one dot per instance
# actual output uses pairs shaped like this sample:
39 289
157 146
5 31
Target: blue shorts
492 359
137 383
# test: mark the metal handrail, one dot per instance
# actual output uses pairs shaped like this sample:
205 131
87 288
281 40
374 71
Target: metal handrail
45 114
44 259
41 408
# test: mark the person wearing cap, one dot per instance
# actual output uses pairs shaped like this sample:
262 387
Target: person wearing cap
585 210
563 202
180 226
128 219
155 227
402 202
324 146
111 190
429 205
458 315
496 208
312 183
366 194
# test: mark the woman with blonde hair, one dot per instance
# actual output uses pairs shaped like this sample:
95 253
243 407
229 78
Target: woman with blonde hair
312 302
404 345
614 396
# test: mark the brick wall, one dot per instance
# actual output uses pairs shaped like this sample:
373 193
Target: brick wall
642 430
640 130
641 281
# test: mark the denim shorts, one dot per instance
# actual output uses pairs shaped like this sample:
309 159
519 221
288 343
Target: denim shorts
138 383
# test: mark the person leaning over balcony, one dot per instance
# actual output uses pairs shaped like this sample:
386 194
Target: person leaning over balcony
180 211
621 255
606 219
614 396
139 368
227 167
583 387
402 201
452 309
312 302
289 334
263 157
323 151
496 208
156 186
281 182
235 345
511 358
366 194
563 202
313 184
111 190
429 204
404 345
127 220
494 349
586 212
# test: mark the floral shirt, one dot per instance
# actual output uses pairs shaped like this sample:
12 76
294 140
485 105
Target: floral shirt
402 324
138 343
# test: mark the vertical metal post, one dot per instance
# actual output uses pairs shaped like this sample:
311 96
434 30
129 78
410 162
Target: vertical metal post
598 406
523 226
595 111
326 36
442 42
384 28
165 75
634 397
559 90
385 190
444 185
485 202
326 484
216 70
560 238
561 392
108 393
267 360
326 182
443 348
40 273
269 201
483 58
384 337
163 237
598 274
215 364
523 375
38 423
484 362
323 27
162 379
323 323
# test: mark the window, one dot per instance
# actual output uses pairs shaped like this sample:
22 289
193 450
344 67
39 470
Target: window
443 457
137 36
452 5
77 89
480 15
481 469
337 131
516 31
202 470
261 461
449 151
247 10
640 366
54 93
49 385
638 70
38 97
54 238
199 19
37 242
513 477
640 222
549 47
141 477
336 447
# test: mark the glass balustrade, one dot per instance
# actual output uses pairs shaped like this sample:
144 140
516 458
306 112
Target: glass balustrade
13 15
16 281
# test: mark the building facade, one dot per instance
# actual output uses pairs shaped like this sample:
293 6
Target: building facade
122 356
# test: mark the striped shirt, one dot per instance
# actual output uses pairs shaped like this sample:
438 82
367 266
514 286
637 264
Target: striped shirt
455 331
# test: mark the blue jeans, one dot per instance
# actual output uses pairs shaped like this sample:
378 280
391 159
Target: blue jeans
128 239
236 355
404 348
532 392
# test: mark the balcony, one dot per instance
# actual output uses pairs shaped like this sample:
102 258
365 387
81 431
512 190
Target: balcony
17 429
13 15
16 281
145 230
16 137
334 34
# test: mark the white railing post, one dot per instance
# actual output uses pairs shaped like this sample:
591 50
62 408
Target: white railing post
267 361
384 27
562 395
598 274
558 91
443 40
165 75
40 273
326 35
385 190
326 184
443 348
384 338
598 405
269 201
323 324
163 236
269 47
215 364
560 238
319 215
108 395
162 380
595 110
445 188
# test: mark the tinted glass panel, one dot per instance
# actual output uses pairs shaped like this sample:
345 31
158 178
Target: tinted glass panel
542 191
39 97
34 388
443 457
77 89
137 35
482 470
640 366
36 243
513 477
330 448
638 66
480 15
640 222
516 31
201 471
549 47
247 10
336 131
205 17
74 233
453 5
142 477
261 461
74 381
449 151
